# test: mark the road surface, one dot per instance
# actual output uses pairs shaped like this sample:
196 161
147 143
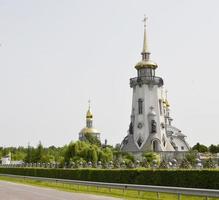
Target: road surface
14 191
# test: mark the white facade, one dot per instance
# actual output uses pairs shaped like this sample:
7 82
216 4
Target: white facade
150 127
153 109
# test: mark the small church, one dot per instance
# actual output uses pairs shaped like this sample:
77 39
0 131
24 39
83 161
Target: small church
151 126
89 129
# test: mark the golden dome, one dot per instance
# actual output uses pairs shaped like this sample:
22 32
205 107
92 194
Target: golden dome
89 130
166 103
146 64
89 114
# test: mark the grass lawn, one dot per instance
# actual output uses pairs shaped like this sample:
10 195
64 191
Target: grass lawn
127 194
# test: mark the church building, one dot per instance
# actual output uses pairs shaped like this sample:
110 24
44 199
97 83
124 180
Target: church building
151 126
89 129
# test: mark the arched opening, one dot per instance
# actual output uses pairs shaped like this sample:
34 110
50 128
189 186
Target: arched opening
140 106
155 146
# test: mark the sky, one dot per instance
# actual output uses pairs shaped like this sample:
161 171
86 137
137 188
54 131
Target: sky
56 55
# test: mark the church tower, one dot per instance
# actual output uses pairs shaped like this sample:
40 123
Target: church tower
148 126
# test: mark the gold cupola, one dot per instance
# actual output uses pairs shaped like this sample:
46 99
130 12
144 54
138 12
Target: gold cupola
145 62
165 101
89 129
89 114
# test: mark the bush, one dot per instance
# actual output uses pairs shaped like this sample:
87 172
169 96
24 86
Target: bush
163 165
209 163
163 177
185 164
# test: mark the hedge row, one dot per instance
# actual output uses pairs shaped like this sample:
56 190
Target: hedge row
208 179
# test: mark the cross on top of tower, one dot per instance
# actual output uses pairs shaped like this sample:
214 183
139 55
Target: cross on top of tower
145 20
145 52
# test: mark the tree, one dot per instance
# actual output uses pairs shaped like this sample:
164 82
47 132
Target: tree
129 156
80 150
185 164
5 151
108 153
150 156
209 163
92 155
29 156
92 139
200 148
214 148
163 165
39 153
191 156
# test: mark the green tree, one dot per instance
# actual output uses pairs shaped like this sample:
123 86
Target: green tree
185 164
200 148
150 156
29 155
92 155
191 156
128 156
5 151
214 149
39 153
109 154
92 139
163 165
209 163
80 150
18 155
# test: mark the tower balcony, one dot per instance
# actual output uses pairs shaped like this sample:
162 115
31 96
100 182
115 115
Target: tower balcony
149 80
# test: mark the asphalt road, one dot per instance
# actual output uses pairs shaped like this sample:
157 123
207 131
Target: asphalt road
14 191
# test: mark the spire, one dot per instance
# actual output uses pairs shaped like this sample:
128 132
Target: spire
89 113
89 104
166 101
145 62
145 52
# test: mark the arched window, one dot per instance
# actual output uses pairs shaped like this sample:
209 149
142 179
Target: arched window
140 141
153 126
89 124
140 106
160 106
155 145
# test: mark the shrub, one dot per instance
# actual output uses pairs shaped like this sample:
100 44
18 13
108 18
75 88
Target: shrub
163 165
209 163
185 164
163 177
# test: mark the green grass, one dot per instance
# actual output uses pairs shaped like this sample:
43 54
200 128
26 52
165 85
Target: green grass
128 194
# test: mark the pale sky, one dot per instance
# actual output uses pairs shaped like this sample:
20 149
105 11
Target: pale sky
55 55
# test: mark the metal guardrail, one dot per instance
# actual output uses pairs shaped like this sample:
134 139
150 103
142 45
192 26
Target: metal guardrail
145 188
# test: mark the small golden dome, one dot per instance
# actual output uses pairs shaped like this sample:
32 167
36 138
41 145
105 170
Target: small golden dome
146 64
166 103
89 114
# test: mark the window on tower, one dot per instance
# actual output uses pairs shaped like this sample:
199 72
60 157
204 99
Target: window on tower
160 106
89 124
140 106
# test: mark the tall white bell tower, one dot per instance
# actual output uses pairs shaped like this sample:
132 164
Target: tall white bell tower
147 130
